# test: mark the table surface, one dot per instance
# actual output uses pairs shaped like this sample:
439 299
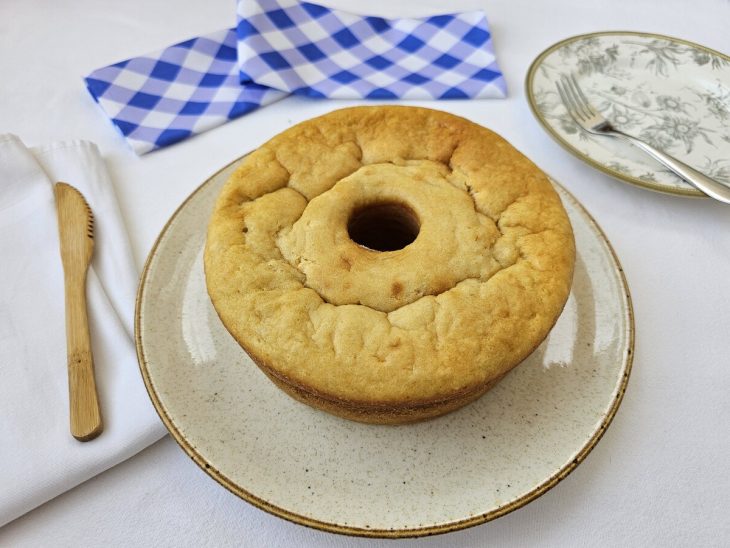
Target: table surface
660 475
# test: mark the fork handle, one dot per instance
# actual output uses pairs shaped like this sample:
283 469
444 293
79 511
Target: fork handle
85 413
702 182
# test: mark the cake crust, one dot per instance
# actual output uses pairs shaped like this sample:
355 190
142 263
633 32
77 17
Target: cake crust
388 336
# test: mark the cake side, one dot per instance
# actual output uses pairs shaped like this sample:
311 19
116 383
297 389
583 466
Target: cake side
477 290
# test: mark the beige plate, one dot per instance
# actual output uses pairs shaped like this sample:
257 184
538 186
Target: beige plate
471 466
669 92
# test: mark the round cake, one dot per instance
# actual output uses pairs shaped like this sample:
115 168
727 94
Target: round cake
388 264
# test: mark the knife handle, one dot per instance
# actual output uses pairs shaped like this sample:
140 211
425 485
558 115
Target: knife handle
83 400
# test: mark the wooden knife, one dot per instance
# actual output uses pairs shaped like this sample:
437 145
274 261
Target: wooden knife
76 231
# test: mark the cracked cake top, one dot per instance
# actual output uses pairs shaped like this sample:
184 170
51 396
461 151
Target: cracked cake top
480 285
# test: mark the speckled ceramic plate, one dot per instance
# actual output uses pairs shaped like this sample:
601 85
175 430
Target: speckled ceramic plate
471 466
669 92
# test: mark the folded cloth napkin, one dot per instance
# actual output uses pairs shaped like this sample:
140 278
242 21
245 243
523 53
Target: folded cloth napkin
286 46
39 458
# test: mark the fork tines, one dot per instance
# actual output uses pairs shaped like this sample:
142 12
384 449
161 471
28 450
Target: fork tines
574 100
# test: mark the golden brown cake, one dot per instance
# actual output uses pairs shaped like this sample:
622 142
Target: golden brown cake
388 264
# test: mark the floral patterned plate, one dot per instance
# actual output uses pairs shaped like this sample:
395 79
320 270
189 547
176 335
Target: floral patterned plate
669 92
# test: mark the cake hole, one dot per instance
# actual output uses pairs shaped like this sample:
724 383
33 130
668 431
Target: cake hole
385 226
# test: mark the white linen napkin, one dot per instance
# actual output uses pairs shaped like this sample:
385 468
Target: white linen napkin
39 458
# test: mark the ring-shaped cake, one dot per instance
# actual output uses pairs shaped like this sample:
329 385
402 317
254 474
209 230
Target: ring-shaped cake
388 264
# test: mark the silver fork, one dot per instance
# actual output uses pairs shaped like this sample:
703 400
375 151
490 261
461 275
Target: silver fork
592 121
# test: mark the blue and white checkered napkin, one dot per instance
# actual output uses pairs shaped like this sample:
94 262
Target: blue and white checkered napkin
286 46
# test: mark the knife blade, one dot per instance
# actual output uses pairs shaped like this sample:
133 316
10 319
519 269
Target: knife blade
76 234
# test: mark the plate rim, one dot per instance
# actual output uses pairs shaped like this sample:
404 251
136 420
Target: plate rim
529 82
430 530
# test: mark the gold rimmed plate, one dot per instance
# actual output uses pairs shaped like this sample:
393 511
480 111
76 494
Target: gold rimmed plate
671 93
301 464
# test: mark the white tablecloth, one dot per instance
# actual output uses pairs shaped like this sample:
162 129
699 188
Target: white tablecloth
661 474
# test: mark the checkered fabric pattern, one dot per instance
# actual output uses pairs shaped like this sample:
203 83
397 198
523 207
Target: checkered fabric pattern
166 96
311 50
286 46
